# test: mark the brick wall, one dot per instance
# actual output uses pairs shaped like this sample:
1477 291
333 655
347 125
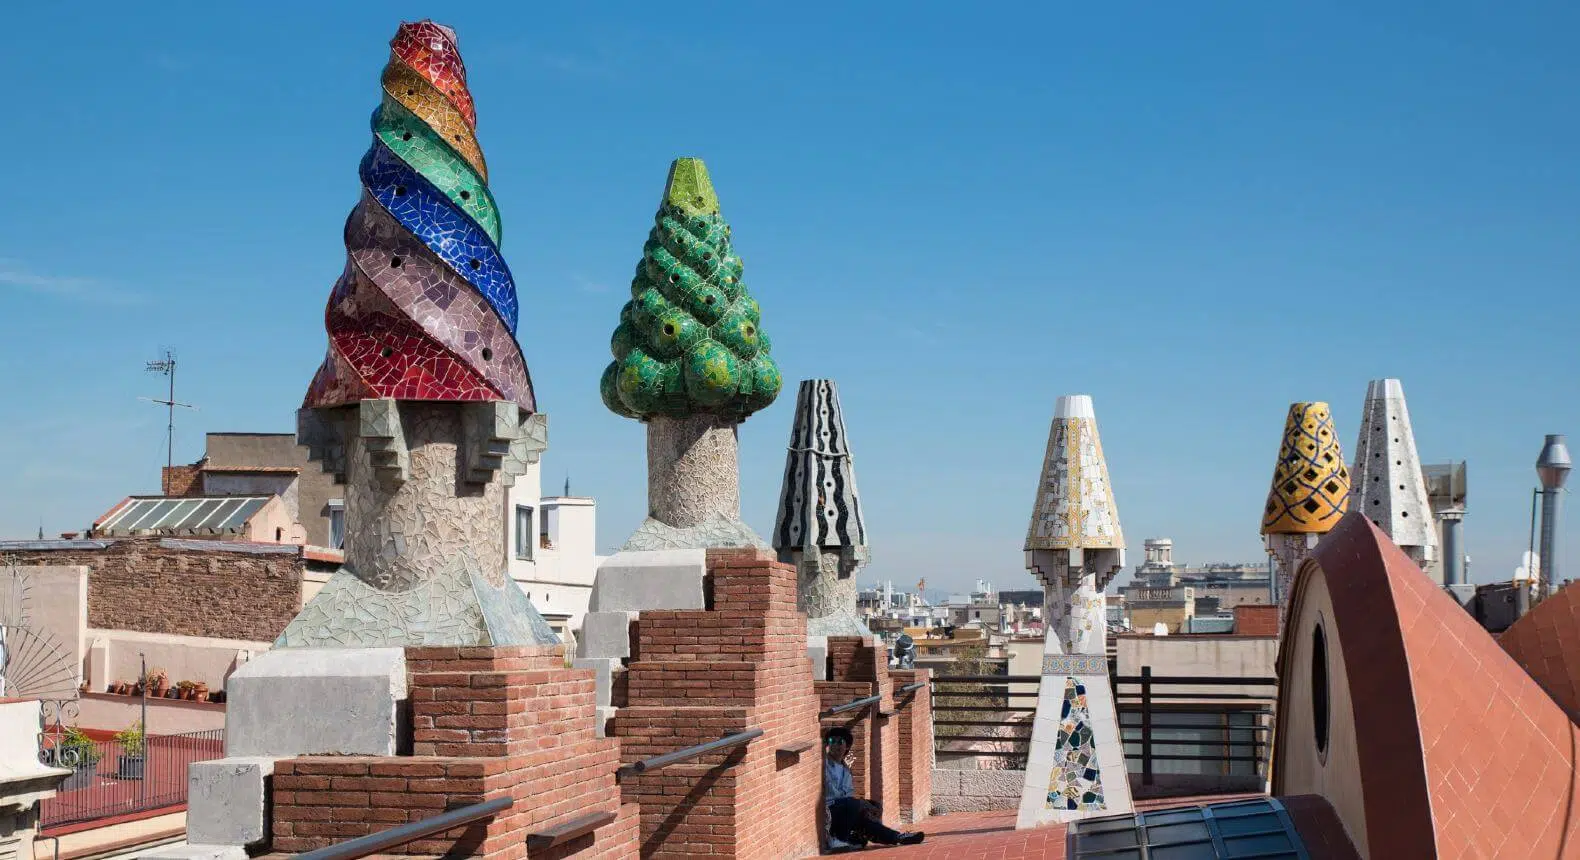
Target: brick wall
184 587
914 718
857 669
695 676
1256 620
181 480
486 723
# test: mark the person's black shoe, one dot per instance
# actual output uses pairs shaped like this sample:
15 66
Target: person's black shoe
912 838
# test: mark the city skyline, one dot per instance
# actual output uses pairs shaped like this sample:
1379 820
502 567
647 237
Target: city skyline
1196 232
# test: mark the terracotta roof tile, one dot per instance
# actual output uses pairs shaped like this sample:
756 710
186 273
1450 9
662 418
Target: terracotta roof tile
1443 714
1546 644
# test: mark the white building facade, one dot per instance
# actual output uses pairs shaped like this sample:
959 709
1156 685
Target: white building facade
552 552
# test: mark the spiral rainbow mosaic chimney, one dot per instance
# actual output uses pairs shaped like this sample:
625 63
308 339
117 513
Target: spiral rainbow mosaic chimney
423 405
426 307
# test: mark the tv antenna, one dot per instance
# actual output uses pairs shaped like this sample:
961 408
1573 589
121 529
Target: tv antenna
167 366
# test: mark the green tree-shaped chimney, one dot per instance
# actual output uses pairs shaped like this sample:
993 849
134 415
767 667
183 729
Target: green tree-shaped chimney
690 340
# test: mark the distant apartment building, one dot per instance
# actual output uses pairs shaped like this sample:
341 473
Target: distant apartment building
884 609
553 552
1186 599
265 465
1149 607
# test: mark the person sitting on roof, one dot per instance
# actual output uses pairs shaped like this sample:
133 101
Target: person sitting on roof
851 820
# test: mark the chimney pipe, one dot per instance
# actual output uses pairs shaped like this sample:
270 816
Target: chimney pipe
1552 467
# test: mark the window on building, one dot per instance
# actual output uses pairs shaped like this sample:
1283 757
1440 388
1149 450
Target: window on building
524 532
337 523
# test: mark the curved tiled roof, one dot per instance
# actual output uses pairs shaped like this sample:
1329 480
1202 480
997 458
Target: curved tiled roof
1546 644
1458 748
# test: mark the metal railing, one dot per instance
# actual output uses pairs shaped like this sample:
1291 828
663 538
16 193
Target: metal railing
1193 726
688 753
984 716
1190 726
109 778
373 843
852 705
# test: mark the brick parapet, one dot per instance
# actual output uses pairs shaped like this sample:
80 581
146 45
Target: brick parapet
696 676
487 723
914 720
859 668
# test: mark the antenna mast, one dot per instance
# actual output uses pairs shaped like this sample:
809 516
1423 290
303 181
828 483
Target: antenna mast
167 366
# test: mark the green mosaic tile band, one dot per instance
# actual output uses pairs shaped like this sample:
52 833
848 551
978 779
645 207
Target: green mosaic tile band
429 105
439 163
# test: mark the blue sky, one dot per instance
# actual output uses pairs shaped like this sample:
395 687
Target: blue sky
1196 213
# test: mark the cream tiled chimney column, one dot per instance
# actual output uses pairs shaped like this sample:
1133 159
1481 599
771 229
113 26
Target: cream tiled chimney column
1074 546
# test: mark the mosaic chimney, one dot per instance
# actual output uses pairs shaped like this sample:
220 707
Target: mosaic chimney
819 526
1389 487
1309 495
691 362
1074 545
423 405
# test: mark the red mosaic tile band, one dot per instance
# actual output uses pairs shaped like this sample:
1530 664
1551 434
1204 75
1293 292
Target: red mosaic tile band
430 49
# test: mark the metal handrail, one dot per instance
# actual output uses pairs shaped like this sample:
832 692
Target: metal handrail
909 687
851 705
373 843
1198 680
986 679
690 752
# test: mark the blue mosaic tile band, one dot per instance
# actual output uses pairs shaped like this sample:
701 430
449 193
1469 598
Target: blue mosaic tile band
430 216
1074 664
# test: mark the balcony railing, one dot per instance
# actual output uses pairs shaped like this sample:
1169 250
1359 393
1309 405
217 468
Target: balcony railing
109 779
1177 730
1195 729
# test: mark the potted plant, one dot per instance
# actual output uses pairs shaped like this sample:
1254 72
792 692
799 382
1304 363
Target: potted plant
201 693
130 763
158 683
77 751
185 688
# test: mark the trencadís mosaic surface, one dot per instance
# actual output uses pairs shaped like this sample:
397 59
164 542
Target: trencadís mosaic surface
1311 486
1076 782
426 306
690 340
